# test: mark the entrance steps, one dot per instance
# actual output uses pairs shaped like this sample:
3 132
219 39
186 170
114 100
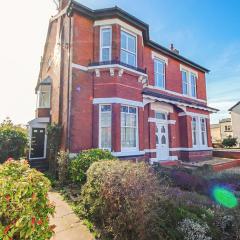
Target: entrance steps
41 165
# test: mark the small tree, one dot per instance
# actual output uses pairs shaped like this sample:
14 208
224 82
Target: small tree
229 142
13 140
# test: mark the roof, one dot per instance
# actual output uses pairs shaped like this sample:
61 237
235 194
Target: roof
152 93
225 120
144 27
234 106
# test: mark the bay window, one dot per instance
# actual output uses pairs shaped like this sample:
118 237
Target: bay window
129 127
105 127
128 49
194 131
159 73
106 44
199 132
203 131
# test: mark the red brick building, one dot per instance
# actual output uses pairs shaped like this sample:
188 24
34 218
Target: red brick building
111 87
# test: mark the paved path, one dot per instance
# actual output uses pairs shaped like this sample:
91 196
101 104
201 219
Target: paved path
68 225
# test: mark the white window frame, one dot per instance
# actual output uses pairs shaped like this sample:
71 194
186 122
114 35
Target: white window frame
189 84
205 132
129 149
196 132
38 99
103 28
156 60
200 144
127 33
100 127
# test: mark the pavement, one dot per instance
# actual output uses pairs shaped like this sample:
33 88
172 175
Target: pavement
68 225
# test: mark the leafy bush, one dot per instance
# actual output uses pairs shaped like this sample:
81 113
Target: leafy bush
120 199
63 161
193 230
13 141
229 142
79 165
24 208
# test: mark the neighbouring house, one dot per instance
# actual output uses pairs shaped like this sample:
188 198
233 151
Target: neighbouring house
221 130
110 86
235 115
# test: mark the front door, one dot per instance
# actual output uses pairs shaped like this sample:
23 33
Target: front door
37 143
162 141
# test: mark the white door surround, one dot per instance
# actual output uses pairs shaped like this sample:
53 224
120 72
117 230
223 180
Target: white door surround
162 141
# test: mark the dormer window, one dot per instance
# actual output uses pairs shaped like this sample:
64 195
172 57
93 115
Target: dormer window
105 44
128 48
159 73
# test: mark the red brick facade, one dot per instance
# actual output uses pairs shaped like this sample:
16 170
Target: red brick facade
80 83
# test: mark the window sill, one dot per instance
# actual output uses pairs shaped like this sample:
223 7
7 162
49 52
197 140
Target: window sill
128 153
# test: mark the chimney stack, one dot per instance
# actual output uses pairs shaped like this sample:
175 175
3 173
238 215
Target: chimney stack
173 49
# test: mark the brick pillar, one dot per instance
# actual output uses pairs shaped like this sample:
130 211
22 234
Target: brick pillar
185 129
95 126
96 47
116 40
209 137
116 127
172 131
141 128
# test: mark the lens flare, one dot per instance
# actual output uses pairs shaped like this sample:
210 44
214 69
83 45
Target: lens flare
225 197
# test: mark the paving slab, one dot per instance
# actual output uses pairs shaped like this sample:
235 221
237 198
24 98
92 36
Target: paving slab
68 225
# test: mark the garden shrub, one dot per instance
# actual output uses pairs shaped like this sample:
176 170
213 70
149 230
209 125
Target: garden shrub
13 141
229 142
120 199
63 161
24 208
80 164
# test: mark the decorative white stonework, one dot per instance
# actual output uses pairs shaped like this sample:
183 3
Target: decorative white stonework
111 72
192 114
155 120
159 56
120 72
97 72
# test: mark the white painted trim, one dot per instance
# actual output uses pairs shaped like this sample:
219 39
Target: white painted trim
159 56
124 149
155 120
100 44
119 22
129 153
80 67
192 114
188 69
178 103
127 33
85 69
117 100
203 148
99 126
117 66
150 150
176 93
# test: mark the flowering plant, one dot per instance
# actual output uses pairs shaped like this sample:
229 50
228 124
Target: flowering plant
24 208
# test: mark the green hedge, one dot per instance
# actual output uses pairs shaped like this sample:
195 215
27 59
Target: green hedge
13 141
24 208
119 198
80 164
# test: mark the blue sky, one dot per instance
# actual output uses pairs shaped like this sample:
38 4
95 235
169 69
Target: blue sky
205 31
